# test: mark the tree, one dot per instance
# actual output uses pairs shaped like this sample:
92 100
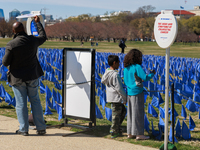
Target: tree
144 11
5 28
193 24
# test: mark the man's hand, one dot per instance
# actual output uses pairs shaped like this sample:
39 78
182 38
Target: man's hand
37 19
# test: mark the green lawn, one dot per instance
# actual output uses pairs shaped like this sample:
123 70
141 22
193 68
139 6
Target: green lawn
103 125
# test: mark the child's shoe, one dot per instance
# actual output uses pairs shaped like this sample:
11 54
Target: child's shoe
114 135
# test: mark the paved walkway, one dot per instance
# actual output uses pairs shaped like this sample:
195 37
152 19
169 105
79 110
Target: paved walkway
53 140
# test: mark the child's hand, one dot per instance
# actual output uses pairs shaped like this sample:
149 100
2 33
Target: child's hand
124 103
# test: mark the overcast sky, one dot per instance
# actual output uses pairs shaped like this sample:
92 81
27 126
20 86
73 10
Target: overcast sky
67 8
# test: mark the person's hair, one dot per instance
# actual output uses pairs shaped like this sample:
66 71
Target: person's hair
112 58
132 57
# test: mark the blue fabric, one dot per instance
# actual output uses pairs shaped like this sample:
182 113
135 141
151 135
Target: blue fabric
154 133
177 98
98 112
191 124
42 88
108 112
47 111
155 102
54 104
196 97
59 111
162 112
183 112
162 124
59 98
30 89
146 123
178 129
185 131
152 111
8 98
48 92
170 136
191 106
129 78
3 92
54 95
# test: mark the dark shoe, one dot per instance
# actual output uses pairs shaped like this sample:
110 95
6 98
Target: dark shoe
41 132
22 133
114 135
131 136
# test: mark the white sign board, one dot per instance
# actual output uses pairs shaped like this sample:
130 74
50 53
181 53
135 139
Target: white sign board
165 29
78 90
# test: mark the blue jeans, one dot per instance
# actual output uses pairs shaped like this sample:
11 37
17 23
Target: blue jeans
21 91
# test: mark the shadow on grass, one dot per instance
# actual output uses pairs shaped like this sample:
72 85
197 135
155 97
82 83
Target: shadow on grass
6 107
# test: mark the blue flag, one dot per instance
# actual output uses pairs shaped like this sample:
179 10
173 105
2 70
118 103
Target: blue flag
177 98
185 131
162 112
146 123
59 98
191 124
8 98
196 97
152 111
178 129
98 112
108 112
42 88
170 136
59 111
47 111
161 124
3 92
154 133
181 7
191 106
183 112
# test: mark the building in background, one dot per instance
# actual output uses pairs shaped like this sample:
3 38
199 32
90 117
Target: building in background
1 14
24 13
13 14
196 10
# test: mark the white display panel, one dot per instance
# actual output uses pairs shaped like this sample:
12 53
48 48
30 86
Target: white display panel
165 29
78 70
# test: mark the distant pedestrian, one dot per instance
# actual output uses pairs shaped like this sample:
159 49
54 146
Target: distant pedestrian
115 94
82 43
122 45
97 43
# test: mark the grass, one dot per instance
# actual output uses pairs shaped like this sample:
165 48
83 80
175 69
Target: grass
103 125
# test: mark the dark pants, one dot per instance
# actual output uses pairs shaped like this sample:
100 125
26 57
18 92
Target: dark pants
122 50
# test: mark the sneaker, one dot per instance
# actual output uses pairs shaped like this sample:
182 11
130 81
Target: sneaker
114 135
22 133
41 132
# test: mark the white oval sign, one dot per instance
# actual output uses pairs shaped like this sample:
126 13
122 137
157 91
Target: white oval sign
165 29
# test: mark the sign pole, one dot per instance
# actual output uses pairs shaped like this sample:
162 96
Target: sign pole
165 31
166 96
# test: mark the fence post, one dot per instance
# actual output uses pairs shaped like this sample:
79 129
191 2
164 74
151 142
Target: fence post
172 103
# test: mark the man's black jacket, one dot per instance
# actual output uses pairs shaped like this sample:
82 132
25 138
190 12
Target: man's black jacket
21 56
